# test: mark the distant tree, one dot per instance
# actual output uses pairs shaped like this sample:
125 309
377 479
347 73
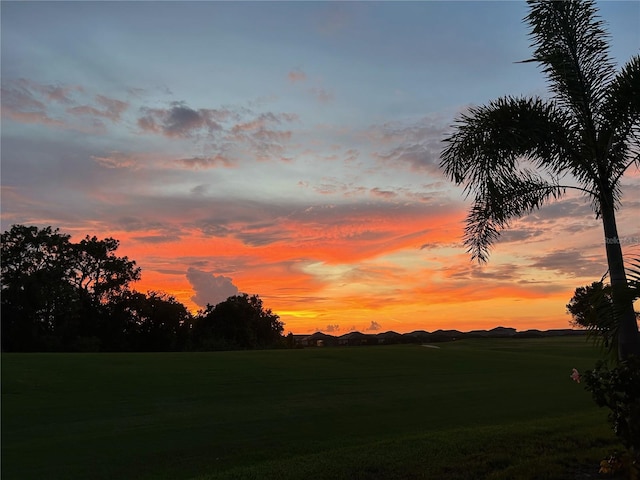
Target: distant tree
240 322
514 153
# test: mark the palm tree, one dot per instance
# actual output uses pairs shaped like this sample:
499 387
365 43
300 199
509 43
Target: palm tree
516 154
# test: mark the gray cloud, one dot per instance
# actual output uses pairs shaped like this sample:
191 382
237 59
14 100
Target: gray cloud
57 93
571 262
25 91
573 208
26 101
378 192
335 186
262 134
258 236
254 223
352 155
208 161
374 326
23 103
181 121
416 156
416 146
209 288
132 224
511 235
236 132
223 136
17 97
157 238
115 160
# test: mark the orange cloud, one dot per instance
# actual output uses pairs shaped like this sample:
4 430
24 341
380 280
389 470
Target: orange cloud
112 109
296 76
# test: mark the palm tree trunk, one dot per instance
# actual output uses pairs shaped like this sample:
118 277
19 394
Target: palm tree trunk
628 339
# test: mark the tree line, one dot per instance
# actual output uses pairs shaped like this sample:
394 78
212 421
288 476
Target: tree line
58 295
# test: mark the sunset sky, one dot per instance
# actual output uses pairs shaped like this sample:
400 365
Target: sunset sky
290 150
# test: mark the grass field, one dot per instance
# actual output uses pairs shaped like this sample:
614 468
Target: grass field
485 408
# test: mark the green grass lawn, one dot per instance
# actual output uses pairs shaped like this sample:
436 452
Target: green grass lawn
481 408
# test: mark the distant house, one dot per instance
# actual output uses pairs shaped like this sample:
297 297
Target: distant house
445 335
388 338
356 338
531 333
417 336
502 332
297 339
319 339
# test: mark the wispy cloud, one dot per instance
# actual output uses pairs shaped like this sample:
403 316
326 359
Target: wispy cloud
115 160
296 76
378 192
321 94
218 160
27 101
111 108
415 146
571 262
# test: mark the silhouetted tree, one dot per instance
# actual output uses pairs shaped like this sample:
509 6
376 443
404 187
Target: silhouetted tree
162 323
118 323
36 299
98 272
59 295
100 277
239 322
588 303
513 153
54 292
591 307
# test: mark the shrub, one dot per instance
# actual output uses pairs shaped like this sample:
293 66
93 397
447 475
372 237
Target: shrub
618 389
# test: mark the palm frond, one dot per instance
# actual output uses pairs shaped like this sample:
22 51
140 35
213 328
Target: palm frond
491 140
620 130
486 154
500 201
571 46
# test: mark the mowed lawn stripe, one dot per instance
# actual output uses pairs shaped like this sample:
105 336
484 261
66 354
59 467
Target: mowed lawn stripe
179 415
